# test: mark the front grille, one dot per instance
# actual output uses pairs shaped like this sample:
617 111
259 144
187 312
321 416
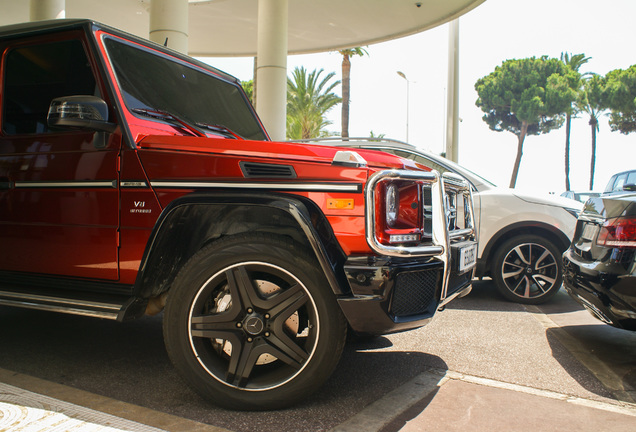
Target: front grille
414 293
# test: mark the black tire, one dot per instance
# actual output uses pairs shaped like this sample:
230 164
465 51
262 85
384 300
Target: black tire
528 269
251 323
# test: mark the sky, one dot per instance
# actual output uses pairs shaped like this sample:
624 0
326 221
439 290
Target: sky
495 31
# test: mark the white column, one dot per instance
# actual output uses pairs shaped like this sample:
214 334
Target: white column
169 22
40 10
452 106
271 71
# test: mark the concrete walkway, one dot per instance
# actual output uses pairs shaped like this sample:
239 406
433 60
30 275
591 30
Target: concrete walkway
25 407
433 401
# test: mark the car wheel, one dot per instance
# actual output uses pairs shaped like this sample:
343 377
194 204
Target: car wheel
251 323
528 269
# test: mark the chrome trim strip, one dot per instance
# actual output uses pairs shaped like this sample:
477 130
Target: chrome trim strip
59 300
310 187
64 305
66 184
52 308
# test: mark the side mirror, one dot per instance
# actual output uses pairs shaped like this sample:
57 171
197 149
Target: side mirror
83 112
630 187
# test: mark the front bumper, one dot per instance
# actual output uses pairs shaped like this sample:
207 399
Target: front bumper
391 295
606 289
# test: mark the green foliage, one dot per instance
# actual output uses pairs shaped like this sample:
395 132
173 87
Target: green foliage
592 98
537 91
309 98
378 136
620 95
248 88
575 61
527 96
357 51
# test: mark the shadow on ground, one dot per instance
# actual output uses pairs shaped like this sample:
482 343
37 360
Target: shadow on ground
128 362
608 352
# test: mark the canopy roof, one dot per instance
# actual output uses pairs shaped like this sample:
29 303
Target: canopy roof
229 27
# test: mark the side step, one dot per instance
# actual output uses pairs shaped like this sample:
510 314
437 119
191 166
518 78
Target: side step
107 307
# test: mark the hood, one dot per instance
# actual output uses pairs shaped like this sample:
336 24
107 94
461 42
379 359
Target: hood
549 200
288 151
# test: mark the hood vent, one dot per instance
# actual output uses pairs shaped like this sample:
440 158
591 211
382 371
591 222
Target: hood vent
260 170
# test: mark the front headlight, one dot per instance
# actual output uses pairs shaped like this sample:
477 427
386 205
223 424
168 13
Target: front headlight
391 204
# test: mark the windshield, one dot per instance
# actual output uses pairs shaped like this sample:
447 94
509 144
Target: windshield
442 165
152 81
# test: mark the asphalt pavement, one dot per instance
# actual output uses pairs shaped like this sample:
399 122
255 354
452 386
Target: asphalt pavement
482 364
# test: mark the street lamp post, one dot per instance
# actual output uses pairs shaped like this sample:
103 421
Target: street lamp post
400 73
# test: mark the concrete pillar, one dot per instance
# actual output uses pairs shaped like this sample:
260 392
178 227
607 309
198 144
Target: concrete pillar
452 104
271 70
169 22
40 10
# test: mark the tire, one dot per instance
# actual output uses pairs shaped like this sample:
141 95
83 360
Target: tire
251 323
528 269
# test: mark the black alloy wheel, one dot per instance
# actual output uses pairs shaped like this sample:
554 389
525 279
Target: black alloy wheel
252 324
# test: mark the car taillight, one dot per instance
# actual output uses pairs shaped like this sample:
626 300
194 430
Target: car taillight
618 232
399 214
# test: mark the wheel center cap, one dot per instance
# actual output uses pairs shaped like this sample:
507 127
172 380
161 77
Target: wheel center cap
253 325
529 270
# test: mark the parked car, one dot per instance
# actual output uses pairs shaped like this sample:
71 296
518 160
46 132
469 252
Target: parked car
580 196
620 183
600 265
521 236
135 179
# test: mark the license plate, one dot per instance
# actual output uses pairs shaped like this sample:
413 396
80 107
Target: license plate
590 231
467 257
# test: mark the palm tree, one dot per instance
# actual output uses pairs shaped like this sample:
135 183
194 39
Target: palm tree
591 102
346 79
308 100
574 62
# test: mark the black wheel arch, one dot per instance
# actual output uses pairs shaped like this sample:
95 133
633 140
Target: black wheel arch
190 222
541 229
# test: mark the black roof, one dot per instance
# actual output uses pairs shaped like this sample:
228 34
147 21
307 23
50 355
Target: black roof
42 27
35 27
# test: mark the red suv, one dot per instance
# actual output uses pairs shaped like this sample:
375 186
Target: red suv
135 180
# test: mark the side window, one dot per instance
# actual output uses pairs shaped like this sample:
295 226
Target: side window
610 184
620 181
37 74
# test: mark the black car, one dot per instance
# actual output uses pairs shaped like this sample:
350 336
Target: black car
600 265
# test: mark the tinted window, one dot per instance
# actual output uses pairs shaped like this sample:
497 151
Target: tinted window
149 80
37 74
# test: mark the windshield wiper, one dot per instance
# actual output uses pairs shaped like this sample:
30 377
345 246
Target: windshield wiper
171 118
220 129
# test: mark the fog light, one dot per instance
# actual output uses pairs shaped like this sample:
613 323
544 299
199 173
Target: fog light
403 238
